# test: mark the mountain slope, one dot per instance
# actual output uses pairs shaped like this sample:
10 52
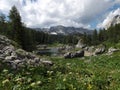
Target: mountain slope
65 30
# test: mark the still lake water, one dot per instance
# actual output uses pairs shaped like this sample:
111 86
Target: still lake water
49 52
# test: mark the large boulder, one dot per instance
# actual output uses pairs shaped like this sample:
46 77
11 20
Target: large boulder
99 50
21 53
4 41
112 50
78 54
10 58
47 63
74 54
67 55
80 44
89 51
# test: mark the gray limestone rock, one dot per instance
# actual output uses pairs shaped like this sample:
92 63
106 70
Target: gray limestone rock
18 58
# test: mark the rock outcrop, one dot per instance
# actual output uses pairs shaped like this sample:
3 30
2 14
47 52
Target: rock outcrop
74 54
18 58
99 50
111 50
89 51
80 44
78 54
67 55
113 21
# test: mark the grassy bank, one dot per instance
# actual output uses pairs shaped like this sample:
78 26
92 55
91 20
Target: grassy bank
89 73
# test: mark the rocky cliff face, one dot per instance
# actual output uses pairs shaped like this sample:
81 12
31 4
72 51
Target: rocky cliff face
115 20
18 58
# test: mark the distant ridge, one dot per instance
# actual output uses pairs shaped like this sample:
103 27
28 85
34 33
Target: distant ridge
62 30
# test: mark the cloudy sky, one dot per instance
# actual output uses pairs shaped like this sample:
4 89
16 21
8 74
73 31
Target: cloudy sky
78 13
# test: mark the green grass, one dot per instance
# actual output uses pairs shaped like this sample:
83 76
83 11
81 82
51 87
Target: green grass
89 73
114 45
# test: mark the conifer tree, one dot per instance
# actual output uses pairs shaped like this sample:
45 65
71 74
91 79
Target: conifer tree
16 25
95 37
2 24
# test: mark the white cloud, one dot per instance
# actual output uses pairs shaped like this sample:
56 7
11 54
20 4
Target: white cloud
45 13
117 1
109 18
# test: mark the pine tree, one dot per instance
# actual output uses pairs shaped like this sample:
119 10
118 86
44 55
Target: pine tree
16 25
2 24
95 37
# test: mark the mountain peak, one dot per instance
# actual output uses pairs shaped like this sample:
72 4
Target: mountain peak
115 20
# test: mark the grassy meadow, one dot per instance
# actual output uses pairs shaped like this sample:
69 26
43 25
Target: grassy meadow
88 73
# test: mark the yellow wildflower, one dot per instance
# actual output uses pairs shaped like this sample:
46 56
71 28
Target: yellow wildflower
89 86
5 81
5 70
38 82
70 72
32 84
64 79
